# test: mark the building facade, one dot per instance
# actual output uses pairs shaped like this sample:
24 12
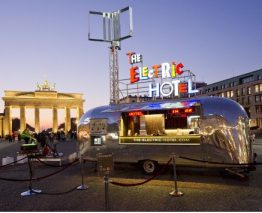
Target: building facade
246 89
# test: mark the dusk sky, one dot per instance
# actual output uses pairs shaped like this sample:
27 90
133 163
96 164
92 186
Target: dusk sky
48 39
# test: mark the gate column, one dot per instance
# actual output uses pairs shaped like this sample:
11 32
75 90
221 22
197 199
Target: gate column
37 120
79 113
7 121
22 119
55 120
67 120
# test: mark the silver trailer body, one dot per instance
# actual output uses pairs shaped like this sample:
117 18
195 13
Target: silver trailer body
212 129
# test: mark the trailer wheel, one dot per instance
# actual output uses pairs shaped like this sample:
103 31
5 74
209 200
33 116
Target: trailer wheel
149 166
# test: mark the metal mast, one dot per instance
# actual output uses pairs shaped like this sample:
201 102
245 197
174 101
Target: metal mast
112 34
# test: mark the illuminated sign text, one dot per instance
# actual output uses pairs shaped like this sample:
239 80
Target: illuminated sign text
165 71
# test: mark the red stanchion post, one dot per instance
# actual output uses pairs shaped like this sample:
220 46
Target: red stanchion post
82 186
175 192
105 167
106 182
30 191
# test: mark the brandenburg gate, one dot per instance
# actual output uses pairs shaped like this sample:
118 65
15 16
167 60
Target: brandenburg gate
44 97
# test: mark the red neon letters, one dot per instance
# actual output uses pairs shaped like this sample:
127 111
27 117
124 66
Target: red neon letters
138 113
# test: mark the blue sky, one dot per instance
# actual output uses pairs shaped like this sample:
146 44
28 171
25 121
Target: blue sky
48 39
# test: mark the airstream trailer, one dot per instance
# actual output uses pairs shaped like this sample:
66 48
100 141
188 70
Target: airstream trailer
206 129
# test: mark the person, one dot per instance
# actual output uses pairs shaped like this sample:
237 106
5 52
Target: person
9 138
19 137
46 150
13 136
41 139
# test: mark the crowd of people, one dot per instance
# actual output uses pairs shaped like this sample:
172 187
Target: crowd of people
47 141
59 136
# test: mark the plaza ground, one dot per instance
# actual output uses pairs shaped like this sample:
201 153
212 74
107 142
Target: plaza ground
204 189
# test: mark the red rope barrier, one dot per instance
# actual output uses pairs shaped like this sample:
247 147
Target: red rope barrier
145 181
222 163
60 170
39 178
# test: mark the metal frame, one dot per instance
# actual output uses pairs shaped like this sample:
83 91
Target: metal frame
111 25
112 34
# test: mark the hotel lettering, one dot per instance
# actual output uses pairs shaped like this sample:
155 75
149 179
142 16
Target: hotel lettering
165 71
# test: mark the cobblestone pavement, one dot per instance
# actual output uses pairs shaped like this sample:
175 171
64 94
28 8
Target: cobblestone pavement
204 189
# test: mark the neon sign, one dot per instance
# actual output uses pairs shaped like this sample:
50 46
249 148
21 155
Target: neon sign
186 110
138 113
165 71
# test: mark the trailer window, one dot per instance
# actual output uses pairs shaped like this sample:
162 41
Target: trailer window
158 122
168 126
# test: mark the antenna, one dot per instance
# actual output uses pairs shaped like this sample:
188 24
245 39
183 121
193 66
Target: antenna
112 33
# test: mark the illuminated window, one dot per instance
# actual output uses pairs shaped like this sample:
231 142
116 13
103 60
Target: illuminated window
249 90
258 88
228 94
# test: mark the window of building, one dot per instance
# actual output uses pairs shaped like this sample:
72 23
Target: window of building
230 94
257 98
246 79
258 88
243 100
243 91
249 99
249 90
227 94
258 108
237 92
232 84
